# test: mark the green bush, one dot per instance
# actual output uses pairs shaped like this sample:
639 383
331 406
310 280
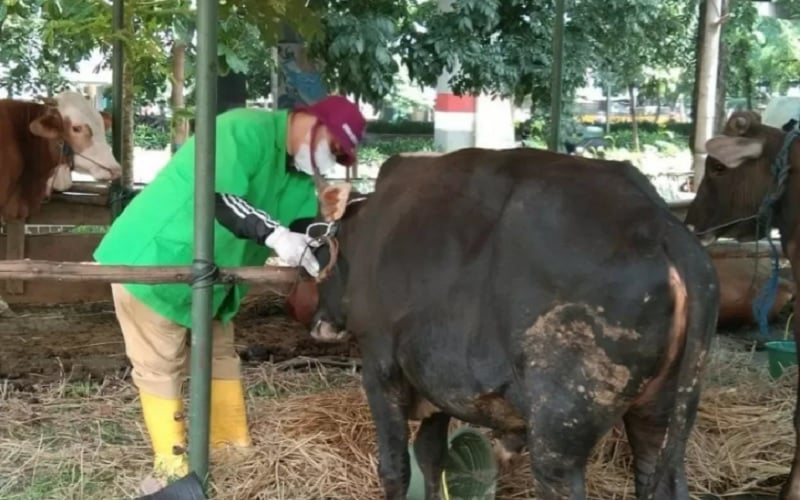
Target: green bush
666 137
156 136
679 129
377 151
624 139
150 137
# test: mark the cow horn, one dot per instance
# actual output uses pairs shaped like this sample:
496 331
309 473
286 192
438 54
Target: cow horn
741 124
47 101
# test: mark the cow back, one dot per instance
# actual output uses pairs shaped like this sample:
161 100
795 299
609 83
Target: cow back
437 215
26 160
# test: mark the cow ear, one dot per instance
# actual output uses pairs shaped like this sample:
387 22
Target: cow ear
106 120
49 125
734 151
333 201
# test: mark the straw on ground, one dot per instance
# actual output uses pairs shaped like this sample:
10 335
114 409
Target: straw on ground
314 439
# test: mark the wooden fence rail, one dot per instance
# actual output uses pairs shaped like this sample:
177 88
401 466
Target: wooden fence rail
26 269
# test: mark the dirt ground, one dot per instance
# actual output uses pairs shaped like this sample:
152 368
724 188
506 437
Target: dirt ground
45 345
68 364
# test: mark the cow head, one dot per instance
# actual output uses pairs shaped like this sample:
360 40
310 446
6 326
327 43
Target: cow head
73 121
335 227
738 179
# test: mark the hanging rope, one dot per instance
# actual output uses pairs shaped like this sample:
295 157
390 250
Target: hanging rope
780 171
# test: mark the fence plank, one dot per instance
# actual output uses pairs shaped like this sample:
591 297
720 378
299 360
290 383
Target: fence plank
91 271
60 213
15 249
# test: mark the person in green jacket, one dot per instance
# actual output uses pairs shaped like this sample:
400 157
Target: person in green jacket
265 162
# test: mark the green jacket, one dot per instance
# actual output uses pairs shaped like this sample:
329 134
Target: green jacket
157 227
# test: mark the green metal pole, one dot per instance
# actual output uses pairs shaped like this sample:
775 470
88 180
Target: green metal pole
554 142
118 58
203 265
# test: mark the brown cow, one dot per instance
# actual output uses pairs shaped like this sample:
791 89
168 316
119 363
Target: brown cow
748 188
739 283
42 140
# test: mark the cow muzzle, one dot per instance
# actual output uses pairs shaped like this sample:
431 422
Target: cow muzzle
98 161
706 237
324 331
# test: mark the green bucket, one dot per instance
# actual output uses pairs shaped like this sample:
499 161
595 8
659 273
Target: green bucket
470 470
781 354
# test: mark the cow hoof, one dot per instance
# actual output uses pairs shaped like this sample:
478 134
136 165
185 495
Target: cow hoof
325 332
333 339
5 310
507 445
502 455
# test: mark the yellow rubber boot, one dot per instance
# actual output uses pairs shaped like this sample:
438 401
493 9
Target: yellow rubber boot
228 422
166 434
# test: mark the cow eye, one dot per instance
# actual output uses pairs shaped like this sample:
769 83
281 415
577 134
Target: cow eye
717 168
77 129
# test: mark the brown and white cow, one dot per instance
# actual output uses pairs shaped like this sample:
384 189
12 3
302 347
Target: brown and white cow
741 196
42 142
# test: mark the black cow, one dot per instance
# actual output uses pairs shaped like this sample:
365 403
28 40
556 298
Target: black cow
542 295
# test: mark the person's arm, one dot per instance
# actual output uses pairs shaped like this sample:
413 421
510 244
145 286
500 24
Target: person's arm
247 222
242 219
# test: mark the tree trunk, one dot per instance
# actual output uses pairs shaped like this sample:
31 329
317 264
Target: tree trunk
698 54
658 101
608 108
720 113
231 91
127 125
748 87
634 123
707 87
180 127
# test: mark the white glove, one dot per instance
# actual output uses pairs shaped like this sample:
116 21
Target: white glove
296 249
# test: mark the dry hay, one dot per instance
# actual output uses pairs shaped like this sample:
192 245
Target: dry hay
314 439
263 299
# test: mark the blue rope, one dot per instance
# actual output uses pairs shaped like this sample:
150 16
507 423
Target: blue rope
780 172
766 296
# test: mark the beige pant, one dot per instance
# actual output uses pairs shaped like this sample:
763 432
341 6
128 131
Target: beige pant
157 347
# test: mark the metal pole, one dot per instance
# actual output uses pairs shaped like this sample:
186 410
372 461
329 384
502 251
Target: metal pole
203 265
554 141
117 65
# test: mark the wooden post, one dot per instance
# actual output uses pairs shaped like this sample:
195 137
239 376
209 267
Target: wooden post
15 250
708 61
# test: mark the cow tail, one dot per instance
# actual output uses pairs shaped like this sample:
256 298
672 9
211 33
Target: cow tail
698 280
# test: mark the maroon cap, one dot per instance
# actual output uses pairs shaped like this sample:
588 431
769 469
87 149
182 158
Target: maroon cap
343 120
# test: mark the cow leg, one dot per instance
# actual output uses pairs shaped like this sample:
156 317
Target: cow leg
388 398
646 427
791 489
562 431
5 309
430 448
558 459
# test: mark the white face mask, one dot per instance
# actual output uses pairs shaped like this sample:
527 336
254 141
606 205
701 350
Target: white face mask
324 157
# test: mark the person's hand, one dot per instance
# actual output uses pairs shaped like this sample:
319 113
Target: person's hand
296 249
